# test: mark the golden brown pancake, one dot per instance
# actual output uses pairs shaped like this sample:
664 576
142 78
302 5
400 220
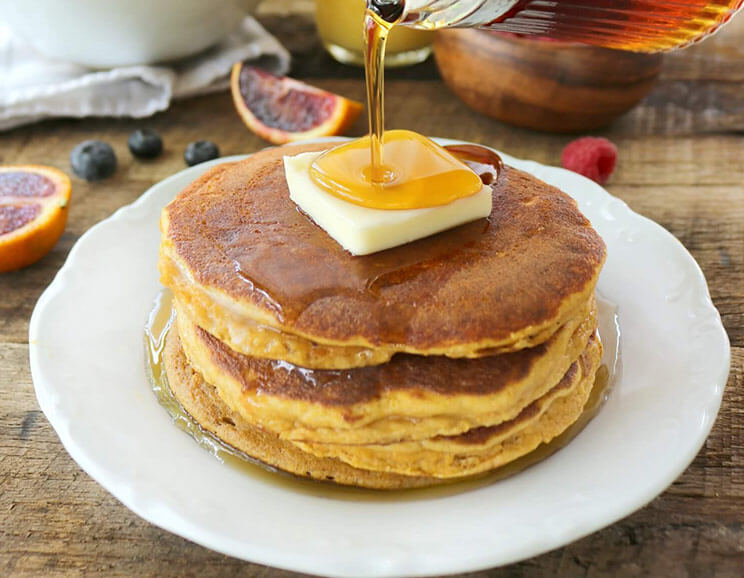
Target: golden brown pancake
411 397
271 343
436 360
203 403
484 448
238 252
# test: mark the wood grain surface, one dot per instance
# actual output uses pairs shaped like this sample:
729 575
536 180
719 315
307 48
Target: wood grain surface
681 164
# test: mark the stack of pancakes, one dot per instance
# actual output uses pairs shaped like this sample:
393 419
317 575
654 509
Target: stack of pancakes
437 360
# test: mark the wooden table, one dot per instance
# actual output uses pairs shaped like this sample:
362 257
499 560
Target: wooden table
681 164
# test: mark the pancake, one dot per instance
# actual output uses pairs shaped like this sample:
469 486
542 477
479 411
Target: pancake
258 340
409 398
484 448
202 402
267 342
438 360
240 256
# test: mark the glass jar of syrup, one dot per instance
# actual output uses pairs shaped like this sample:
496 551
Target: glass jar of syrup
636 25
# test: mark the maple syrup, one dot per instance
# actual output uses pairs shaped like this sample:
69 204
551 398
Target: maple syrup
395 169
160 323
418 173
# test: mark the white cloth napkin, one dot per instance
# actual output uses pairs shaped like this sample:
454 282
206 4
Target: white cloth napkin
34 87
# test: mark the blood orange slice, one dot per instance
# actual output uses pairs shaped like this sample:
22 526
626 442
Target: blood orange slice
282 109
34 203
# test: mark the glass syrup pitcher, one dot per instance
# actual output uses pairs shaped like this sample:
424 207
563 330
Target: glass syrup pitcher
635 25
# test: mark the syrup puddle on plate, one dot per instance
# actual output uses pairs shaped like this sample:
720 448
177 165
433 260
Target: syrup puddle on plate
161 319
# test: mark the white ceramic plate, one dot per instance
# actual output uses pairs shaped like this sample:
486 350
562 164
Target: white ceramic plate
87 362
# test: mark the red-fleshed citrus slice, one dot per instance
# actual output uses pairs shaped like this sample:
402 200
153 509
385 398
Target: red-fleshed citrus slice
34 203
282 109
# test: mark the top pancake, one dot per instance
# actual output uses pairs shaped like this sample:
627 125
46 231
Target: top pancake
236 236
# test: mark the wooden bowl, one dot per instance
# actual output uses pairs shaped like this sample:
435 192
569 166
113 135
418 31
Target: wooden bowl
550 86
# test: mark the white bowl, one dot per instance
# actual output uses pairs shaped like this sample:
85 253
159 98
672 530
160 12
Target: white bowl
109 33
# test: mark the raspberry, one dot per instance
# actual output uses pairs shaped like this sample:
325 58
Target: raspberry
593 157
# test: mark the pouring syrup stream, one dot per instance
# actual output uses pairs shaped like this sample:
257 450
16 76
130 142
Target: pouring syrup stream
376 30
397 169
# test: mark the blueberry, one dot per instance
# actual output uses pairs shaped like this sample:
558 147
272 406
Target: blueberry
145 144
200 151
93 160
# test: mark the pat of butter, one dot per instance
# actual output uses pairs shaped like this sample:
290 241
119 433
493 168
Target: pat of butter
361 230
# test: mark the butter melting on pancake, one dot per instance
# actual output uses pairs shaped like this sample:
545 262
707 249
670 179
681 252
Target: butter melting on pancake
236 248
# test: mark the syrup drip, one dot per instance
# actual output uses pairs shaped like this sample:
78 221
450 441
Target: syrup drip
160 323
376 30
482 161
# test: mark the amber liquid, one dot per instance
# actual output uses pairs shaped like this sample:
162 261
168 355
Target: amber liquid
394 170
376 31
636 25
418 173
160 322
